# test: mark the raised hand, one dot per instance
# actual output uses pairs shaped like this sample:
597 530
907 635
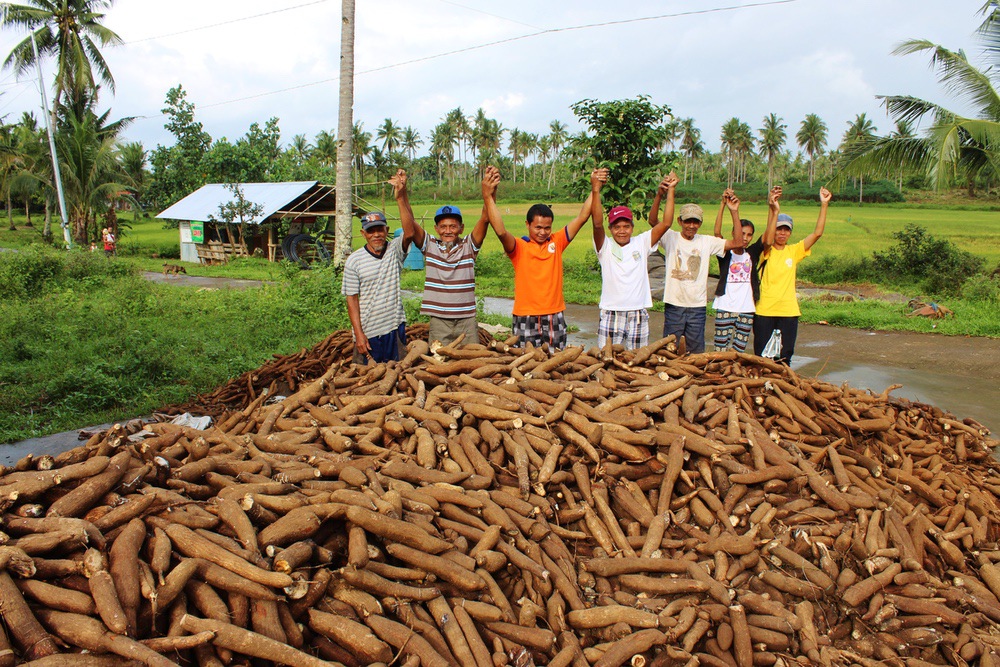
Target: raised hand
825 196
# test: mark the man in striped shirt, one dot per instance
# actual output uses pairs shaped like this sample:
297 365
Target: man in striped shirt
450 260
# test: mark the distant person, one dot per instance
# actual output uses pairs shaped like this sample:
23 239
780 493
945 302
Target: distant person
108 237
371 284
625 293
778 307
538 270
450 260
739 282
685 292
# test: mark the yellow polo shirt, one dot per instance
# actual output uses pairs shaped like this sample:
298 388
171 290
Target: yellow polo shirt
777 283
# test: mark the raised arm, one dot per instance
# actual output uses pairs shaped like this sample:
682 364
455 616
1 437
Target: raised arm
411 231
773 208
669 183
732 202
654 211
824 201
597 178
491 180
597 214
507 239
722 209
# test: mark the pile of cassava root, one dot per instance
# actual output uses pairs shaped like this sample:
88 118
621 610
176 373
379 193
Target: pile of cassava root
490 504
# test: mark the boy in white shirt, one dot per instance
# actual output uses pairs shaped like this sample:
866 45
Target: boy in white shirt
625 295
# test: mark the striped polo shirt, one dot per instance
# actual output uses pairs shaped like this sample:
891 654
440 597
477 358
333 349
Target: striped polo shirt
375 281
450 283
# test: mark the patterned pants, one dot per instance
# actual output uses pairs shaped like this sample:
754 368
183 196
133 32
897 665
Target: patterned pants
541 329
624 327
732 329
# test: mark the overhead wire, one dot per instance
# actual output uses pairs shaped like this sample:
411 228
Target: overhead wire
508 40
223 23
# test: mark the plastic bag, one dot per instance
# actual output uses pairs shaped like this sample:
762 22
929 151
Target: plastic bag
773 348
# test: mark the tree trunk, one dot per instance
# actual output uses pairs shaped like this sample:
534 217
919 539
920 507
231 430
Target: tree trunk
861 190
10 215
345 139
27 213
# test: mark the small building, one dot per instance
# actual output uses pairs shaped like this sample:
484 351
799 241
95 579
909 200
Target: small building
281 209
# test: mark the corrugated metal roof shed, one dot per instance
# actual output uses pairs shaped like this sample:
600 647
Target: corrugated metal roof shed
286 197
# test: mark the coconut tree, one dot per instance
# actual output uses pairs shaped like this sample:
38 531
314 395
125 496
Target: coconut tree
390 134
953 147
812 137
411 142
859 135
72 32
361 147
557 139
772 140
133 158
326 148
690 139
737 141
904 130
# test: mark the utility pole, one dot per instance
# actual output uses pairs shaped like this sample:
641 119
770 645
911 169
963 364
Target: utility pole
345 137
52 149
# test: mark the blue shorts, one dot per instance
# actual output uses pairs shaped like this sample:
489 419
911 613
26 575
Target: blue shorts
687 323
387 347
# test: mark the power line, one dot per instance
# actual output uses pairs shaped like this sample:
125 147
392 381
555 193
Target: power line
229 22
496 16
549 31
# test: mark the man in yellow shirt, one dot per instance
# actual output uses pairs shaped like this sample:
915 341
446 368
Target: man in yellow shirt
778 307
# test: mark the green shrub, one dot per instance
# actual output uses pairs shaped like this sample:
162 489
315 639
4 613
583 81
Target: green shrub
981 288
25 273
937 265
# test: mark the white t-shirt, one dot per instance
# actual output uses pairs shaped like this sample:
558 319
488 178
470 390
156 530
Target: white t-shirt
738 297
625 281
686 280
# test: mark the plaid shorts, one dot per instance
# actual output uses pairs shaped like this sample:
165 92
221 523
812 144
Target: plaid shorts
539 329
624 327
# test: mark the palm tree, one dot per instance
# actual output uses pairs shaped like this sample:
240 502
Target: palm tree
514 146
69 30
904 130
390 135
557 138
300 148
812 137
772 140
690 139
954 146
737 140
411 142
672 131
133 157
859 135
443 149
362 148
326 148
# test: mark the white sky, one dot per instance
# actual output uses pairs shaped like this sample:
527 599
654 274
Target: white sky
792 58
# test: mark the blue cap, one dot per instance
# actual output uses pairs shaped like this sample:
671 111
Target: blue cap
784 220
448 212
373 219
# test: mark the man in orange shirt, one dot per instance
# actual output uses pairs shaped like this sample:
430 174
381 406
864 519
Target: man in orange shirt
538 269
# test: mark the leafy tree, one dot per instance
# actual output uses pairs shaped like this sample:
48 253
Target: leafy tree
237 212
177 170
772 140
624 135
69 30
133 158
812 137
953 148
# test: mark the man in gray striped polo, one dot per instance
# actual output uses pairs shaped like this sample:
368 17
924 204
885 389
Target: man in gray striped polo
371 284
450 261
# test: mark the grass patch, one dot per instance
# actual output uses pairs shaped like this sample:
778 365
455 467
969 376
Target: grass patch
95 342
972 318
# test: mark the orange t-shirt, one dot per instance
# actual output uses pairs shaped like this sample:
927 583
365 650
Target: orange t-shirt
538 275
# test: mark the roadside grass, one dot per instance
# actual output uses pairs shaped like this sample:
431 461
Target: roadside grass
971 318
87 340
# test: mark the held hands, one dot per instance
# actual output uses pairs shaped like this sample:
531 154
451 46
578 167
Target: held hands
825 196
668 183
491 181
398 183
598 178
774 197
